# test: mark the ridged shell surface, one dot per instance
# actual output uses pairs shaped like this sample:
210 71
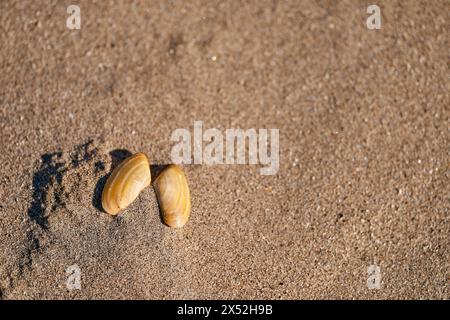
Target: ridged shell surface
127 180
173 196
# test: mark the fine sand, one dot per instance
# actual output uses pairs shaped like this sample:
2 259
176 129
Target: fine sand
363 117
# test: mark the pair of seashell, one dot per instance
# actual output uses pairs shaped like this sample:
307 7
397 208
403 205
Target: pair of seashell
133 175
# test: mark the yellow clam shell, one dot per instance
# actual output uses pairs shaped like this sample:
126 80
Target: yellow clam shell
173 196
127 180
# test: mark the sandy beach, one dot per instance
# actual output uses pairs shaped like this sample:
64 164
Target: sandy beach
364 149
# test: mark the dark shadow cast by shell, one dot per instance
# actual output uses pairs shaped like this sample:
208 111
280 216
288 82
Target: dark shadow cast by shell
117 156
156 169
